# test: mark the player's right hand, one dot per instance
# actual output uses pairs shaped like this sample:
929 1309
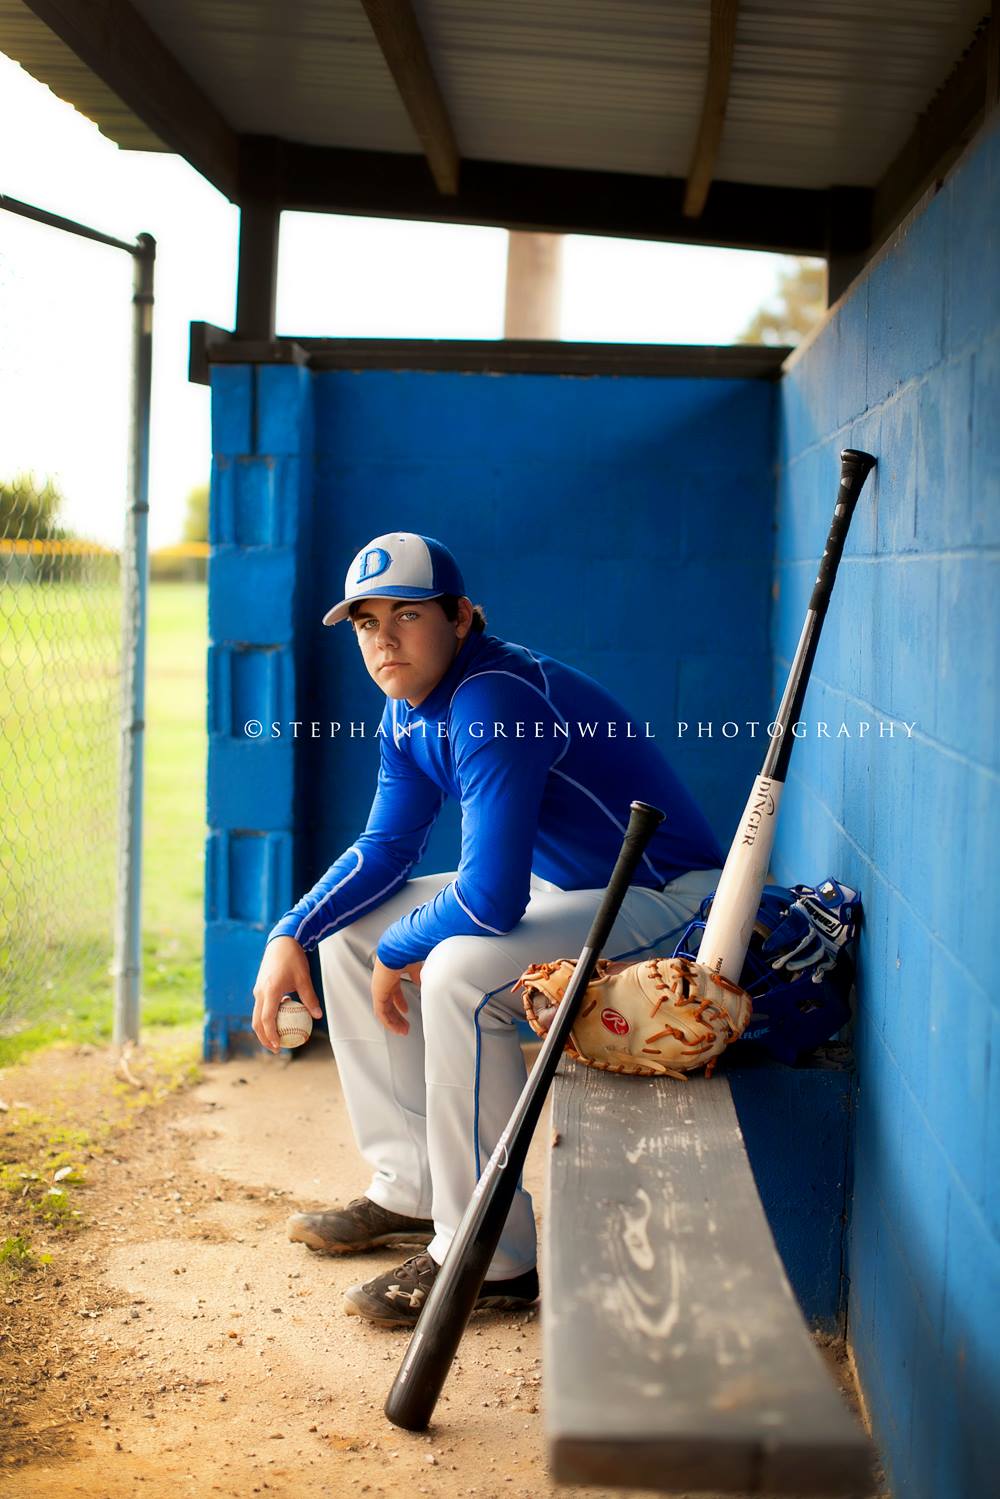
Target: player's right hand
284 970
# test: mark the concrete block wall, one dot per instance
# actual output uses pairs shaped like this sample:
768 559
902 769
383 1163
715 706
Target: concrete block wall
908 366
259 534
621 524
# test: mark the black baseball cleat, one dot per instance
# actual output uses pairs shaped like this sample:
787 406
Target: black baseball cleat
396 1298
361 1225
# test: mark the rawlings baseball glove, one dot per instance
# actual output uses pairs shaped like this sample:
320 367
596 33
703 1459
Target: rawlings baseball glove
659 1018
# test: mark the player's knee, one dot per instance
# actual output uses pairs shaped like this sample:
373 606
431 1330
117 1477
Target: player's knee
457 965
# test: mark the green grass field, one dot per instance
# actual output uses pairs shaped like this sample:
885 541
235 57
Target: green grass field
58 771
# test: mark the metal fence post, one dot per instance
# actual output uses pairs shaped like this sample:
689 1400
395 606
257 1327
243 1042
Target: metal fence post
135 581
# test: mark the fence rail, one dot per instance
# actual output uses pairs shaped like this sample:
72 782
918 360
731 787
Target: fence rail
72 692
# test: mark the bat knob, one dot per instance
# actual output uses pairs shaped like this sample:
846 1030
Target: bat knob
855 466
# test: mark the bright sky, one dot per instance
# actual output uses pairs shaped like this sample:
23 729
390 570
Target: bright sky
64 302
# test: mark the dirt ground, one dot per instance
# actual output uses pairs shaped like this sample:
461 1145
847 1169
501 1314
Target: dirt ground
178 1344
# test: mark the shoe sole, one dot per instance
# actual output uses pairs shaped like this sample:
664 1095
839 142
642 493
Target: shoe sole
319 1245
357 1304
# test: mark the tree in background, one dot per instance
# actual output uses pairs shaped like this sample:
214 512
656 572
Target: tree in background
196 519
29 509
796 308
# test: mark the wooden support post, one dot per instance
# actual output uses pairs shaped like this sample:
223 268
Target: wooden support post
534 285
257 281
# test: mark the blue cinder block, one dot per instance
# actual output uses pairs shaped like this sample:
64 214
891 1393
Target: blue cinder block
252 595
823 751
937 883
906 304
803 1191
973 247
250 785
922 1226
738 519
977 876
232 408
232 956
984 521
250 686
853 621
866 434
900 1334
790 591
607 417
991 1208
910 637
967 709
856 763
872 944
255 501
284 393
933 1463
798 423
971 1348
850 373
724 689
944 455
900 986
897 470
881 581
799 507
248 877
892 825
880 1141
864 1224
958 1103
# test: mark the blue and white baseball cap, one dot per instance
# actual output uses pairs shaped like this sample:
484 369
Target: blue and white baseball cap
398 565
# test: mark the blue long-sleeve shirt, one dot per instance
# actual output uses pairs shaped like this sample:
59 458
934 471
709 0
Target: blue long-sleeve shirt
544 762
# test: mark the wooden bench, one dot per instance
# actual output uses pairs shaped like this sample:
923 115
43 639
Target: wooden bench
675 1354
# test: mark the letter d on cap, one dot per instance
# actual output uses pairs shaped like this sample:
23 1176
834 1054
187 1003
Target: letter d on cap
373 562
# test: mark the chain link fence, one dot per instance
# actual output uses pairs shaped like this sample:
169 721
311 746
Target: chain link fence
63 491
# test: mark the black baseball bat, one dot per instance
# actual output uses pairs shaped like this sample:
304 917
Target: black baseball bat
726 938
453 1295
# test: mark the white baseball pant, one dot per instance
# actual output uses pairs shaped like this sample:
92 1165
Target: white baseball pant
428 1108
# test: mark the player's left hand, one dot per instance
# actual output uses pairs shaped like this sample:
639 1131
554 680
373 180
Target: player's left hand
388 1000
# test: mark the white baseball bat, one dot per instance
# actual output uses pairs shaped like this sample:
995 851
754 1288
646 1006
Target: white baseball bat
734 909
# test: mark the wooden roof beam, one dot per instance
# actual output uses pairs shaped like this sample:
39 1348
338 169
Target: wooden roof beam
405 52
117 45
722 38
553 200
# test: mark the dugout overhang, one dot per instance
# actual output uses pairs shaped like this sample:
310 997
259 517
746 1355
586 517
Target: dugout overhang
808 129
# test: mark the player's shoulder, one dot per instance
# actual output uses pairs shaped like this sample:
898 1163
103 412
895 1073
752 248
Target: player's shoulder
503 671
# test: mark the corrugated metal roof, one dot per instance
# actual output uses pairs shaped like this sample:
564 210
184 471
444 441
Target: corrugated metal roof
26 39
305 70
824 92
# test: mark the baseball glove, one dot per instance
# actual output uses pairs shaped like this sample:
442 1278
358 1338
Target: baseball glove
660 1018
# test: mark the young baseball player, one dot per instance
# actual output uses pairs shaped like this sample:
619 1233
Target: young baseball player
418 974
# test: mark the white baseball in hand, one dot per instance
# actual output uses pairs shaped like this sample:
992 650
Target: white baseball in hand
294 1023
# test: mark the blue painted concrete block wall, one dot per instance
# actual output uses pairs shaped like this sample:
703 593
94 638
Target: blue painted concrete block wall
622 524
909 368
618 523
260 537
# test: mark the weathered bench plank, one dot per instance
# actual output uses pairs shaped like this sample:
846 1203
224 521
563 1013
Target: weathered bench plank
675 1353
